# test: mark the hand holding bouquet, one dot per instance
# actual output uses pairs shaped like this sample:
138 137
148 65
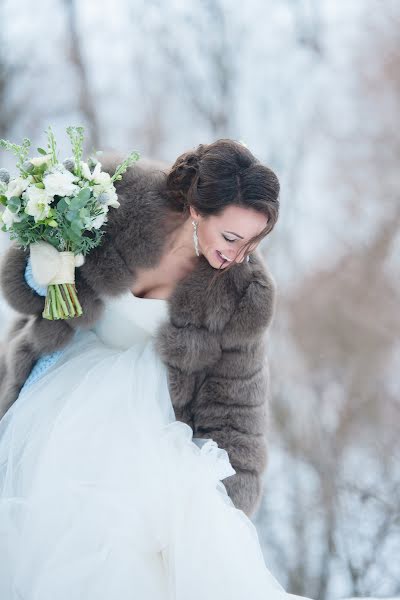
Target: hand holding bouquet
59 210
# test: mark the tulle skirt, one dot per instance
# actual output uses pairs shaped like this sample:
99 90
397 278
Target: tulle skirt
103 495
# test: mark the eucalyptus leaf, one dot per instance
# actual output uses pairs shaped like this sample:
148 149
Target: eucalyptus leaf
71 215
75 236
84 194
14 204
77 226
62 205
84 213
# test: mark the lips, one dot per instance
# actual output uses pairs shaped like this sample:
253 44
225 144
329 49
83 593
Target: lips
222 257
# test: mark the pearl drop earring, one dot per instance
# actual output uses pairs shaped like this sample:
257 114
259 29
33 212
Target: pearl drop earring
195 238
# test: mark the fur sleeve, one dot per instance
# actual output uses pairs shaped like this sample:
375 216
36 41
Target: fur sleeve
189 348
231 407
232 404
18 294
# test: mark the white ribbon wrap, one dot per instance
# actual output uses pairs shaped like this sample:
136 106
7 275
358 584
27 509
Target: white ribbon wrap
49 266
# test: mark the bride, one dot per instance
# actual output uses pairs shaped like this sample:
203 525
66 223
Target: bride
103 493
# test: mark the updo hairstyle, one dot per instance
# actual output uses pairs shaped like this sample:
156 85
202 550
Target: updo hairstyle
220 174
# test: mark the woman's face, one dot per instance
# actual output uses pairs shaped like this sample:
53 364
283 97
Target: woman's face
227 233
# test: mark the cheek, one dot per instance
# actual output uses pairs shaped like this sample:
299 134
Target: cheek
209 239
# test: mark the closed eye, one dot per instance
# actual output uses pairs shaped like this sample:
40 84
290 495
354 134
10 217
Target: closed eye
227 239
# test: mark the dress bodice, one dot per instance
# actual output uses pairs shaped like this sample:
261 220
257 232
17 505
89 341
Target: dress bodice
128 319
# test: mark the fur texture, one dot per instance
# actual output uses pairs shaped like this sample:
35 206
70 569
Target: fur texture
213 343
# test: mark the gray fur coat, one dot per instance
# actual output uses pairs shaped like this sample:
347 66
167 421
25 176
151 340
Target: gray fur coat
213 343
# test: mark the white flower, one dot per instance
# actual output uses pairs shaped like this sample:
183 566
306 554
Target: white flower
86 171
16 187
36 194
97 170
112 197
38 205
99 221
40 160
101 183
60 182
102 179
9 218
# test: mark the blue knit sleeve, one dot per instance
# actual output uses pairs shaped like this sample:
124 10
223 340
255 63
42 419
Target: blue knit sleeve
48 360
42 291
41 366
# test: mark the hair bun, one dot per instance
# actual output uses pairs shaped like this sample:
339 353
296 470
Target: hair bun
188 163
182 176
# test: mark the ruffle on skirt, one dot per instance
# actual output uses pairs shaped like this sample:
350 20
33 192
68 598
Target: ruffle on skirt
103 495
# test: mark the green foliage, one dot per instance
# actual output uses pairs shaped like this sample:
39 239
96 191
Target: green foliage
75 134
64 229
52 145
124 166
14 204
21 152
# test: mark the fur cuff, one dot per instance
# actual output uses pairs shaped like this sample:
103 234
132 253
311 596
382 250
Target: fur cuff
14 287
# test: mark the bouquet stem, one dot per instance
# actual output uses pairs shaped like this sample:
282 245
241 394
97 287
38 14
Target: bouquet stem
61 302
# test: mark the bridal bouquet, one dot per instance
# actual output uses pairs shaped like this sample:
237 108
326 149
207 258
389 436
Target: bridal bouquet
59 210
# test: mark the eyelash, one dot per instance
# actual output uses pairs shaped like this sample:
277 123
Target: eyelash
227 239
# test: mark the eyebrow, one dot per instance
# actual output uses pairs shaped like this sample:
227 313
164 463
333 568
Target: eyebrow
241 237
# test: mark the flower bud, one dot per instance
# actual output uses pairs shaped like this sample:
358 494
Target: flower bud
27 166
4 175
92 162
69 164
103 198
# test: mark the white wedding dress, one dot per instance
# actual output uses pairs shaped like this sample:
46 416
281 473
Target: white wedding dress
104 496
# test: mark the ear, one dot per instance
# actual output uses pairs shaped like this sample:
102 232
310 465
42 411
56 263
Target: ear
193 212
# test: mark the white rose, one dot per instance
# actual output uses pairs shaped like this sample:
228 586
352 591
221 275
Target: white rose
16 187
9 218
35 194
38 205
60 183
40 160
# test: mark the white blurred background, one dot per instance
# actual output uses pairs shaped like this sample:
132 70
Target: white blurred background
313 89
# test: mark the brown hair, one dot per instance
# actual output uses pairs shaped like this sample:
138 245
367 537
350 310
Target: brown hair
217 175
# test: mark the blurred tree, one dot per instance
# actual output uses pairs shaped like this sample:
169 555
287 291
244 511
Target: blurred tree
86 104
335 341
204 58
